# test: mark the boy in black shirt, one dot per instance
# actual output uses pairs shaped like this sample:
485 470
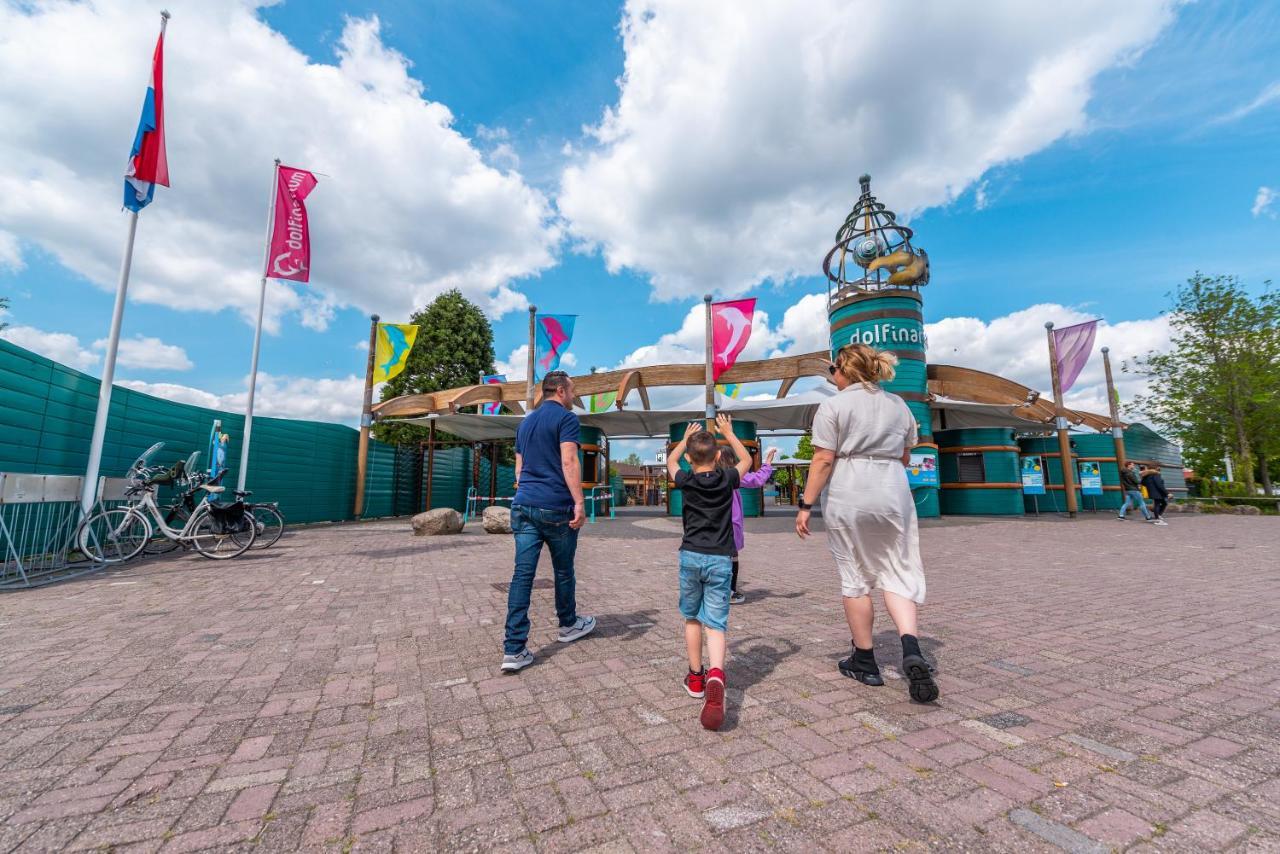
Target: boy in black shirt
706 563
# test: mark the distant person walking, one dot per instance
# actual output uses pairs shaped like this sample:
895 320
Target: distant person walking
547 508
862 440
1131 485
1153 483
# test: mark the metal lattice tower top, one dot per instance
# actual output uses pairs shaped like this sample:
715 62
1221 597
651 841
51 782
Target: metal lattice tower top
869 245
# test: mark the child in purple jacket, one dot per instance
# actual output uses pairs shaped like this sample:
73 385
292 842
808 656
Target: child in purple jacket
750 480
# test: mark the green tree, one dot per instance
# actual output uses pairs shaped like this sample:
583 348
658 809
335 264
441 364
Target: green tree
804 448
4 306
454 347
633 459
1214 391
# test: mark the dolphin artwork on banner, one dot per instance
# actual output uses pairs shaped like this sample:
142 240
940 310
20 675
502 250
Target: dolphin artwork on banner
553 334
730 332
492 408
290 253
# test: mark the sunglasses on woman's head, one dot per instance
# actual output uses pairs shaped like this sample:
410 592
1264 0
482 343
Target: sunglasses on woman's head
831 369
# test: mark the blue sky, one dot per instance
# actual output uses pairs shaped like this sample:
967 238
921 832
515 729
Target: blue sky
1166 175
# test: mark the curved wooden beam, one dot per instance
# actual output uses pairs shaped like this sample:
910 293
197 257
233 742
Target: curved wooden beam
633 380
489 393
786 386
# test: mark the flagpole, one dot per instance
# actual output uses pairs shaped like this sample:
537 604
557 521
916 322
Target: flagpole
243 475
711 395
1060 419
366 418
533 313
89 489
1117 432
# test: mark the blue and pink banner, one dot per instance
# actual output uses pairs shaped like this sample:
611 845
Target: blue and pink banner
148 164
492 379
552 335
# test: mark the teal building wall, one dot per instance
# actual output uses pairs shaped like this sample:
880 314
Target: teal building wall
752 499
1000 494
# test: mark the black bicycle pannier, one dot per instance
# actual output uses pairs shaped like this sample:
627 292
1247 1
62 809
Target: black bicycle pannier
229 518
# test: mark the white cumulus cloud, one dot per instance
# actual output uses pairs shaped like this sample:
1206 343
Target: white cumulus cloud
1264 201
740 129
406 207
148 353
59 346
314 399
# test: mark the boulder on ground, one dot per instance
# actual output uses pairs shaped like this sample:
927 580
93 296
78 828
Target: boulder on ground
1175 507
1246 510
496 520
442 520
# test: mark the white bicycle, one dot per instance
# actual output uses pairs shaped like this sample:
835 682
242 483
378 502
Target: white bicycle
217 531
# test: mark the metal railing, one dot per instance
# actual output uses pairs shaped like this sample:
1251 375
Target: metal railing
598 494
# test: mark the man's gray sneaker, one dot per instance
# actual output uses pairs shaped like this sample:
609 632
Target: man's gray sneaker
580 629
519 661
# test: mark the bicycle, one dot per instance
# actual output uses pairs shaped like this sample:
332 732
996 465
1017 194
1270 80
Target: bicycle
267 517
115 535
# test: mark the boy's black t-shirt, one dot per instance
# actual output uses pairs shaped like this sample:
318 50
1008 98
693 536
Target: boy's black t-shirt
708 510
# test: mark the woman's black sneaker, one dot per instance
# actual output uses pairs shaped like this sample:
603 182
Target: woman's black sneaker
867 675
923 689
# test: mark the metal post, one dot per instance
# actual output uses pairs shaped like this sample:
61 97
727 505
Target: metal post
366 419
243 475
431 460
1064 441
1117 431
89 490
711 393
528 397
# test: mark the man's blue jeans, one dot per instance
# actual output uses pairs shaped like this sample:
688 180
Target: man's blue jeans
1134 496
532 527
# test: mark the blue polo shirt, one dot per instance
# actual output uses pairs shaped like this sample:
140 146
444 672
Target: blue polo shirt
538 441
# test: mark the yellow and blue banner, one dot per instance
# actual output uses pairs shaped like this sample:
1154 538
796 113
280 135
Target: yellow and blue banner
394 343
729 389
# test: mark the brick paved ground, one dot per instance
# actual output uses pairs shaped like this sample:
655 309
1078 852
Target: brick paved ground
1104 686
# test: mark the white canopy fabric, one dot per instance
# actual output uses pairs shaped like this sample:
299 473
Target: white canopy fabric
794 413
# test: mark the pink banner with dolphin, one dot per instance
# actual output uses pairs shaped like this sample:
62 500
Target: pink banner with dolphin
290 256
730 332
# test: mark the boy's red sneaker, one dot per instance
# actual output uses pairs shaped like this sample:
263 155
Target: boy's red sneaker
695 683
713 708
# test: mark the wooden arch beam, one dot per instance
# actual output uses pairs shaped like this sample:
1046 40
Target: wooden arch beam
633 380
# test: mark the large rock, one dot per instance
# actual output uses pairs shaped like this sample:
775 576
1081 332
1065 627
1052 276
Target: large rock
442 520
496 520
1246 510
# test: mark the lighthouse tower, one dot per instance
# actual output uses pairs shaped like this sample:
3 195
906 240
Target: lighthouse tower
874 276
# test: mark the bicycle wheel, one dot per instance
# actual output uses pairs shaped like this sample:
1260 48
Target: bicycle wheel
113 536
217 546
159 544
270 524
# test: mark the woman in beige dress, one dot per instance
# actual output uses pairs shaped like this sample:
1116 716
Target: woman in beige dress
862 440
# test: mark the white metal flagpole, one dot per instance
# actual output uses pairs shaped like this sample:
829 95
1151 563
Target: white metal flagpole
257 333
89 490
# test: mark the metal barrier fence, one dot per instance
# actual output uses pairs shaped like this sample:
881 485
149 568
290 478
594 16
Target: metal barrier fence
593 500
39 516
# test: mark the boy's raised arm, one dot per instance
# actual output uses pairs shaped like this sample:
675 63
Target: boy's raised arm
673 458
724 426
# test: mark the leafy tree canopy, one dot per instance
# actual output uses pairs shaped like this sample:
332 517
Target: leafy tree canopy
454 347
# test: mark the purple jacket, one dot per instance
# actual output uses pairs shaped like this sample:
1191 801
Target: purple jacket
750 480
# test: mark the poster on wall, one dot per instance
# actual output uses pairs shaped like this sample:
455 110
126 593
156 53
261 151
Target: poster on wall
1090 478
923 470
1033 475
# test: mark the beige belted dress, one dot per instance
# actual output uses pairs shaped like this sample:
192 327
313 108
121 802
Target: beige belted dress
867 507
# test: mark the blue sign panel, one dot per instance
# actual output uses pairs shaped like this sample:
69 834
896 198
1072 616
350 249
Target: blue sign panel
1033 475
1090 478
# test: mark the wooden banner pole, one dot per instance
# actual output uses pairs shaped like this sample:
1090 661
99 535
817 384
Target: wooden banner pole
1117 431
366 419
1060 417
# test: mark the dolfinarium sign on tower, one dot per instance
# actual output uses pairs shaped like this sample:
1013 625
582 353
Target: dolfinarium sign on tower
874 276
886 336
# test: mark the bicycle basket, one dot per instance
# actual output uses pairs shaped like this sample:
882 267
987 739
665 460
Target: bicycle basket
229 518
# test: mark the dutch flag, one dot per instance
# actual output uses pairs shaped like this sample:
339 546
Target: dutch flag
147 163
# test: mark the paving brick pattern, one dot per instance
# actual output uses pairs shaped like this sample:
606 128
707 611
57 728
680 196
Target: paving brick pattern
1104 686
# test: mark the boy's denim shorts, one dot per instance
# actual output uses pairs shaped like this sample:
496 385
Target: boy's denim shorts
704 588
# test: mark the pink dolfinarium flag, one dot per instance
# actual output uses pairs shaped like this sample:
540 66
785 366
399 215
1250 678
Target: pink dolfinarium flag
730 331
1073 345
290 255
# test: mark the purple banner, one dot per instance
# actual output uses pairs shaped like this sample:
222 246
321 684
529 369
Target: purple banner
1074 344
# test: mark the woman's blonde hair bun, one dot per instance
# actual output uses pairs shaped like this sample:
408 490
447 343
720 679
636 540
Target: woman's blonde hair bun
864 364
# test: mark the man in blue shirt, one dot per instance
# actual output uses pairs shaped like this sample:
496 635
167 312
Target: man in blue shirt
547 508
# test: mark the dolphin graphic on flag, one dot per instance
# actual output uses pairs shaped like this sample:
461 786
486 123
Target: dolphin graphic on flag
730 389
492 379
1074 344
730 331
603 401
290 253
552 334
148 164
394 343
